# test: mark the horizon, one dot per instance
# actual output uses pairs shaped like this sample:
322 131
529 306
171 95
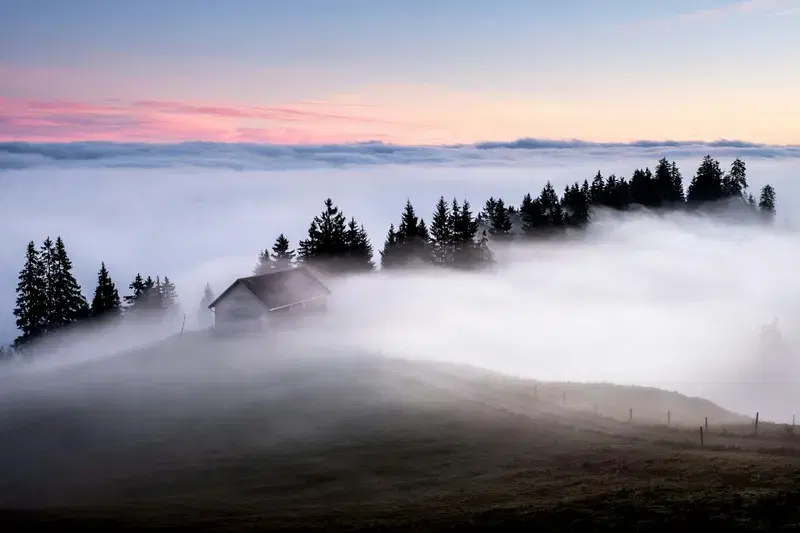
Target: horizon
302 73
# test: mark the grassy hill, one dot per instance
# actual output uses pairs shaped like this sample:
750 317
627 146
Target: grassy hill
232 435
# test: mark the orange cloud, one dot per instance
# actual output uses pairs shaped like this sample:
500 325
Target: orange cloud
166 121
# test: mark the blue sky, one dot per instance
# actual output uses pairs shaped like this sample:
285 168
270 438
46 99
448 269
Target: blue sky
554 65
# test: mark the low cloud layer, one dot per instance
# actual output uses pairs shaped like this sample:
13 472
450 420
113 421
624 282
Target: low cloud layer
244 156
675 300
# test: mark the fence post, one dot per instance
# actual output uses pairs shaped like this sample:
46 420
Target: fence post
669 418
706 424
701 437
564 398
630 414
183 324
756 426
596 411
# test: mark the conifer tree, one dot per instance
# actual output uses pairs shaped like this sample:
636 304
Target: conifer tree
47 253
68 303
766 203
106 300
390 256
359 249
139 287
678 194
441 233
534 219
204 314
575 204
497 216
264 263
326 238
734 183
597 189
168 294
551 206
282 255
31 306
706 186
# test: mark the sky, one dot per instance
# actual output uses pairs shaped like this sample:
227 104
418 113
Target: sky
399 71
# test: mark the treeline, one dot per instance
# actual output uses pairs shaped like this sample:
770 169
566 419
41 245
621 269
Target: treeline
49 297
458 238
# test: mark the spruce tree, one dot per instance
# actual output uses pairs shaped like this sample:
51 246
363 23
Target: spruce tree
47 252
264 263
441 234
106 300
706 186
575 204
204 315
766 203
497 217
551 206
282 255
32 307
596 189
168 294
734 183
534 219
138 287
678 195
359 249
68 303
326 238
390 254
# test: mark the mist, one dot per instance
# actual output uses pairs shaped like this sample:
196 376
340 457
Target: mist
674 301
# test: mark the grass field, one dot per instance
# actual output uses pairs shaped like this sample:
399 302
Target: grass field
374 444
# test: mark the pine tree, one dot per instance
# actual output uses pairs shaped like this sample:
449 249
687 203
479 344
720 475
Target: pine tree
464 230
326 238
139 287
282 255
575 205
678 195
390 254
68 303
706 186
359 249
766 203
32 307
551 206
597 189
106 300
441 234
47 252
168 294
204 314
734 183
497 216
534 219
264 263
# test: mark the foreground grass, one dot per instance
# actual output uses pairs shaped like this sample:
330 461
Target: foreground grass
371 447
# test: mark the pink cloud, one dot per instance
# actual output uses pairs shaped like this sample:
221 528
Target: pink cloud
165 121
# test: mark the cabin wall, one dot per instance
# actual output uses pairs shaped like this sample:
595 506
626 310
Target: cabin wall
238 305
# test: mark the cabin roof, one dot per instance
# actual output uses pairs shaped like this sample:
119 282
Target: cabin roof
280 287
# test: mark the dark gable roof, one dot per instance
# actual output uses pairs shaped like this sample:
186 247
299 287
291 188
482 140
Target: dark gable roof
279 288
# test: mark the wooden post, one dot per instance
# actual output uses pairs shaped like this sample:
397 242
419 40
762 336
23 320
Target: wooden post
701 437
564 398
706 424
669 418
183 324
596 411
756 426
630 414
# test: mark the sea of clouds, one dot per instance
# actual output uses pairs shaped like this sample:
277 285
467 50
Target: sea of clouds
685 296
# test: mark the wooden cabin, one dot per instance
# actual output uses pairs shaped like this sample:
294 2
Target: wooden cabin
255 302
